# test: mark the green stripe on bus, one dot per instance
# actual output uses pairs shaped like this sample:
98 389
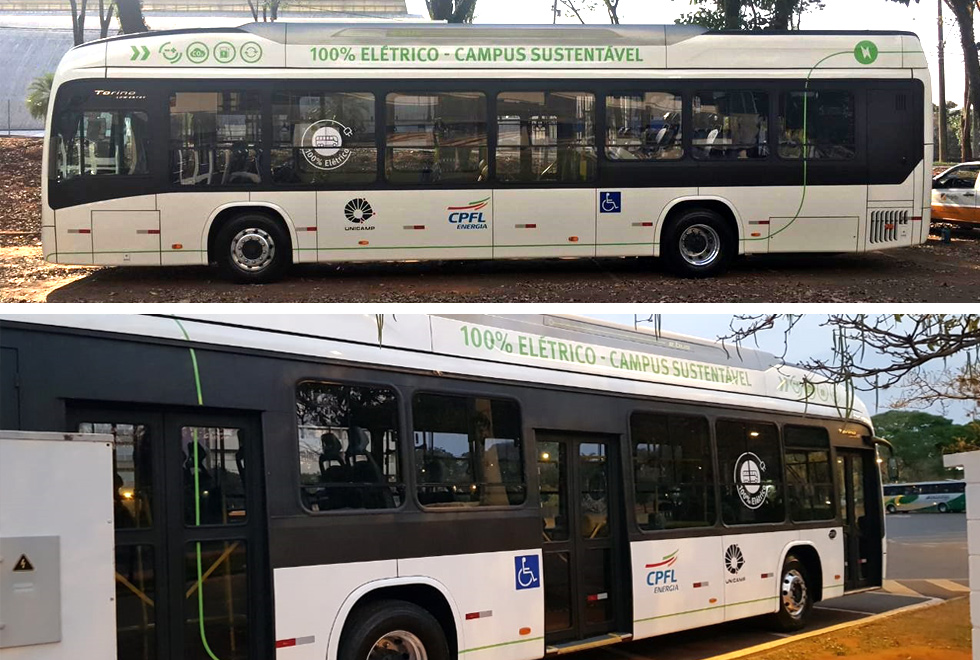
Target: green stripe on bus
494 646
705 609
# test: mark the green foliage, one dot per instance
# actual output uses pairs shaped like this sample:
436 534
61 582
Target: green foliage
920 440
38 95
753 14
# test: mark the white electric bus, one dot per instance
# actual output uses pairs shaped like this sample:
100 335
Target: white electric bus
942 496
487 487
271 144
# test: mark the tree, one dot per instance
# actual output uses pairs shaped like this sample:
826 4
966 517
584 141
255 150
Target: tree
749 14
105 17
920 440
78 20
130 14
963 11
452 11
879 352
578 6
39 94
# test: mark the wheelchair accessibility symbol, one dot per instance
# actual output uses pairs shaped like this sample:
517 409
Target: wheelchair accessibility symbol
527 574
611 202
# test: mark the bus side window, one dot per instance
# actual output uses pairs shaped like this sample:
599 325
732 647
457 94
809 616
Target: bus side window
830 133
436 137
644 126
752 473
546 136
809 484
673 471
730 125
101 143
348 447
215 138
468 451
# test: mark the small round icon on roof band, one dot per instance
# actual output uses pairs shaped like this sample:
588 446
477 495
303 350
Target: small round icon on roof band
251 52
197 52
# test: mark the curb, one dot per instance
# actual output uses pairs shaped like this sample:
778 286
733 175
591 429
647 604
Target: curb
759 648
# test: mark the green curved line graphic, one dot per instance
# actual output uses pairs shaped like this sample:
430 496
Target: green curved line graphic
197 502
806 88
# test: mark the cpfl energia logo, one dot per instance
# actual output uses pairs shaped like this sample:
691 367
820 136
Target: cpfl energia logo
661 576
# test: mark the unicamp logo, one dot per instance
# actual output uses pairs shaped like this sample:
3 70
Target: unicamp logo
734 561
661 576
358 212
469 216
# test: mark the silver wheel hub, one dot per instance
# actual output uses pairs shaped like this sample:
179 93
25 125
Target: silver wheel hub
699 245
794 593
252 249
398 645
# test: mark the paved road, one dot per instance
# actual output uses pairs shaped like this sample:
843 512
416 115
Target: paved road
927 554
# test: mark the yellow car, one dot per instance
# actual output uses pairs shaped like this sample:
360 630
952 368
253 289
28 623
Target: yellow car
954 195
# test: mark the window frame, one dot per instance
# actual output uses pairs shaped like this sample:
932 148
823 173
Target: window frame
469 394
403 463
629 482
781 91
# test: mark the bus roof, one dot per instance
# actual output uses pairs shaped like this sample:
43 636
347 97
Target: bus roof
437 46
549 349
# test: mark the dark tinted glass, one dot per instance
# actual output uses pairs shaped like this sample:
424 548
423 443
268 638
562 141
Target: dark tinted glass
214 471
216 620
730 125
546 136
101 143
752 476
467 451
135 602
436 137
644 126
594 490
323 138
132 472
215 138
829 125
552 476
672 470
348 447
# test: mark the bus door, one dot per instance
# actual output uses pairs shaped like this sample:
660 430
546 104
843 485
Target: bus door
585 596
191 558
860 506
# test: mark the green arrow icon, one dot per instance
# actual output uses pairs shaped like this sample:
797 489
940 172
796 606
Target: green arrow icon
137 55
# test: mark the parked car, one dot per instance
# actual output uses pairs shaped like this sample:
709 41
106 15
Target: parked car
954 195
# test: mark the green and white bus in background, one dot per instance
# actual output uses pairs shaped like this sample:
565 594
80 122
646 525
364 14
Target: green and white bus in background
943 496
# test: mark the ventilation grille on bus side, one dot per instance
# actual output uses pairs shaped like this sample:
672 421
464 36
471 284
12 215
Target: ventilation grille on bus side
884 223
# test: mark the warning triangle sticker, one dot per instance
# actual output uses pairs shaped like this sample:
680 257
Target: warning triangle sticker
23 564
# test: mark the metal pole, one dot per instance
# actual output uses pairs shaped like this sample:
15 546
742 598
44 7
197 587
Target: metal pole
943 118
10 131
554 13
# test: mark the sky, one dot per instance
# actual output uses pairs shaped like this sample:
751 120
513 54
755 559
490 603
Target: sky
839 15
808 340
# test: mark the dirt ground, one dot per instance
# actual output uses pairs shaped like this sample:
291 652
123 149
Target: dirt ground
933 272
935 633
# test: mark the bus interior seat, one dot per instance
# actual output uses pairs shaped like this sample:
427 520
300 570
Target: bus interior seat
365 470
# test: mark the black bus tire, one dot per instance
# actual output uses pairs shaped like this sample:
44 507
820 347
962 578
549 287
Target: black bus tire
252 248
397 625
795 596
698 243
943 507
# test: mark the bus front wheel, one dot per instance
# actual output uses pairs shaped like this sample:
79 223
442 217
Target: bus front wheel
795 596
699 243
943 507
393 630
890 508
252 248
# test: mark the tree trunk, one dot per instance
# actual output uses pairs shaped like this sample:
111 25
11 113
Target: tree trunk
463 12
130 14
966 124
255 11
612 6
78 21
733 14
782 13
963 10
274 10
105 18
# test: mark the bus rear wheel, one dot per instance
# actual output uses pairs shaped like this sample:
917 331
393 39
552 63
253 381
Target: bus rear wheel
890 508
943 507
393 630
699 243
795 597
252 248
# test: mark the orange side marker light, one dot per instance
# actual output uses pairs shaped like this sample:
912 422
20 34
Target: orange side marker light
525 631
573 239
712 600
177 246
362 242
